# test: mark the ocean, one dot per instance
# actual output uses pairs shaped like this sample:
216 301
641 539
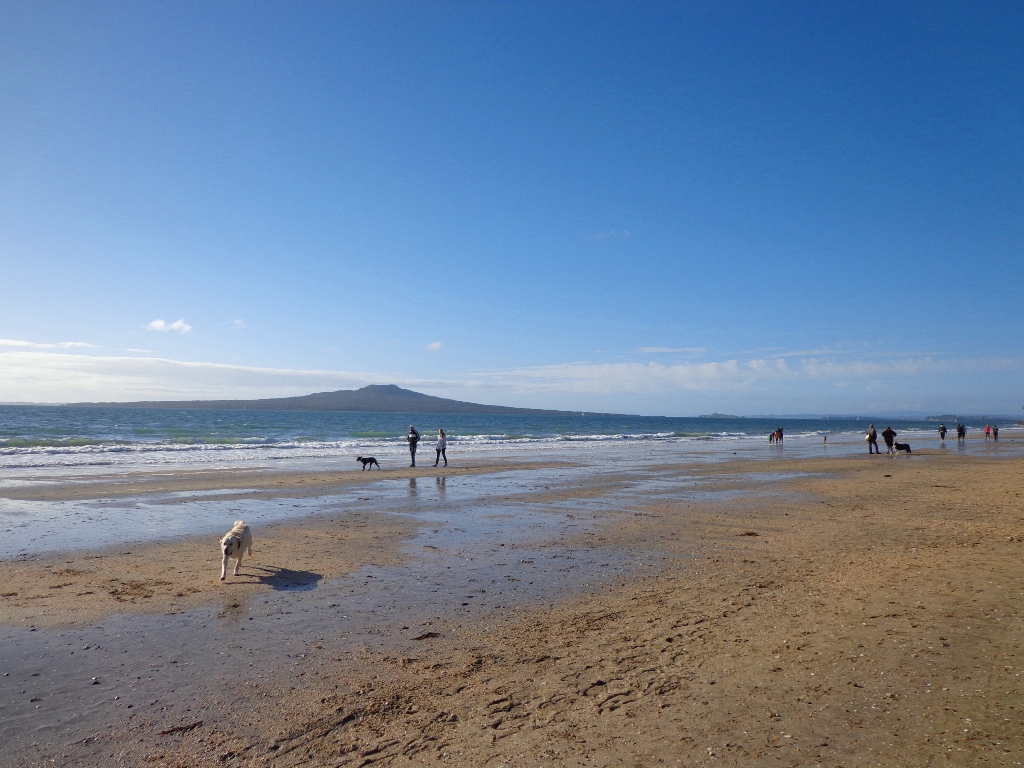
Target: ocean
60 436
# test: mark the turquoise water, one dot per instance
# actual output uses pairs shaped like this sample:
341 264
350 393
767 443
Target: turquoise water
63 436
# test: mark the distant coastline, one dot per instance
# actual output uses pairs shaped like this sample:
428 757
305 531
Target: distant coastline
378 398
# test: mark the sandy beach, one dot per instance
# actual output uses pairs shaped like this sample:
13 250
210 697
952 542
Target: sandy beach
838 611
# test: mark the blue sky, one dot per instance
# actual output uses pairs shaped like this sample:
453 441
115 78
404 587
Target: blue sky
663 208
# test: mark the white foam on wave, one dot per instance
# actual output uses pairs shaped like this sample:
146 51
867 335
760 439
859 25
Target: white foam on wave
261 449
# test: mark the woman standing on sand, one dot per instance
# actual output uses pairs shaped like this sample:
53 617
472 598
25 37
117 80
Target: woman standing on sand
888 434
442 444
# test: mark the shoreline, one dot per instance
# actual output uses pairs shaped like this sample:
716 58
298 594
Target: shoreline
833 610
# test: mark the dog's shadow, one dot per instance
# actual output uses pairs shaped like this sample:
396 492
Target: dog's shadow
287 580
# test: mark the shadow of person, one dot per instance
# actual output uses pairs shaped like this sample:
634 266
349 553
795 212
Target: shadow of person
412 487
287 580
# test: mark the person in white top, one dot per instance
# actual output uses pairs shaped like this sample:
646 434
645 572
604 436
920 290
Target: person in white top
442 443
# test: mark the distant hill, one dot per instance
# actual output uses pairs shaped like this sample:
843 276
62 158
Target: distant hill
382 398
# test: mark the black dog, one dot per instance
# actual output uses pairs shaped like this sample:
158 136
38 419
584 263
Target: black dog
368 461
902 447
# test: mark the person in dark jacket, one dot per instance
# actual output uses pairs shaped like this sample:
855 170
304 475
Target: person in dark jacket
413 438
942 431
888 435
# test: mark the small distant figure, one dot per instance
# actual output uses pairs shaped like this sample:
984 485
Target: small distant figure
942 432
824 440
442 444
888 435
995 432
367 460
961 433
413 437
778 435
872 438
988 432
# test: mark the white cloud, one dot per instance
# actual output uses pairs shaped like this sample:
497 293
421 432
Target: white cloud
433 346
178 325
239 324
673 350
142 351
61 377
58 345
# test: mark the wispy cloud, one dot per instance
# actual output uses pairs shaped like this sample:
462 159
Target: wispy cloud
612 234
673 350
238 324
41 376
142 351
178 326
58 345
810 352
726 375
433 346
611 378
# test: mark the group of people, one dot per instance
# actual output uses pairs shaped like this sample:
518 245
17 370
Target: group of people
991 432
775 437
888 435
440 446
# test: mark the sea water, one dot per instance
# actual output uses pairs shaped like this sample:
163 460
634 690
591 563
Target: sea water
63 436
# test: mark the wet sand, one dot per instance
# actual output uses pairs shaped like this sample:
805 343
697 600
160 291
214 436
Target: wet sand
266 482
836 611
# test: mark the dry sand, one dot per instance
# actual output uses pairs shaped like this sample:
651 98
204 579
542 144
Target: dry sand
870 614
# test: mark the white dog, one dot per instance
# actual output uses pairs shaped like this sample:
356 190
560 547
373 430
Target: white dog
235 542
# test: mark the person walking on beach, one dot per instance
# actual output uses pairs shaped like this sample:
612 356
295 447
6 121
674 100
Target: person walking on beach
961 433
942 432
413 438
442 444
988 431
888 435
872 438
995 432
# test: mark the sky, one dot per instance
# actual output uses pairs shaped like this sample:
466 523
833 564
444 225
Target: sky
659 208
